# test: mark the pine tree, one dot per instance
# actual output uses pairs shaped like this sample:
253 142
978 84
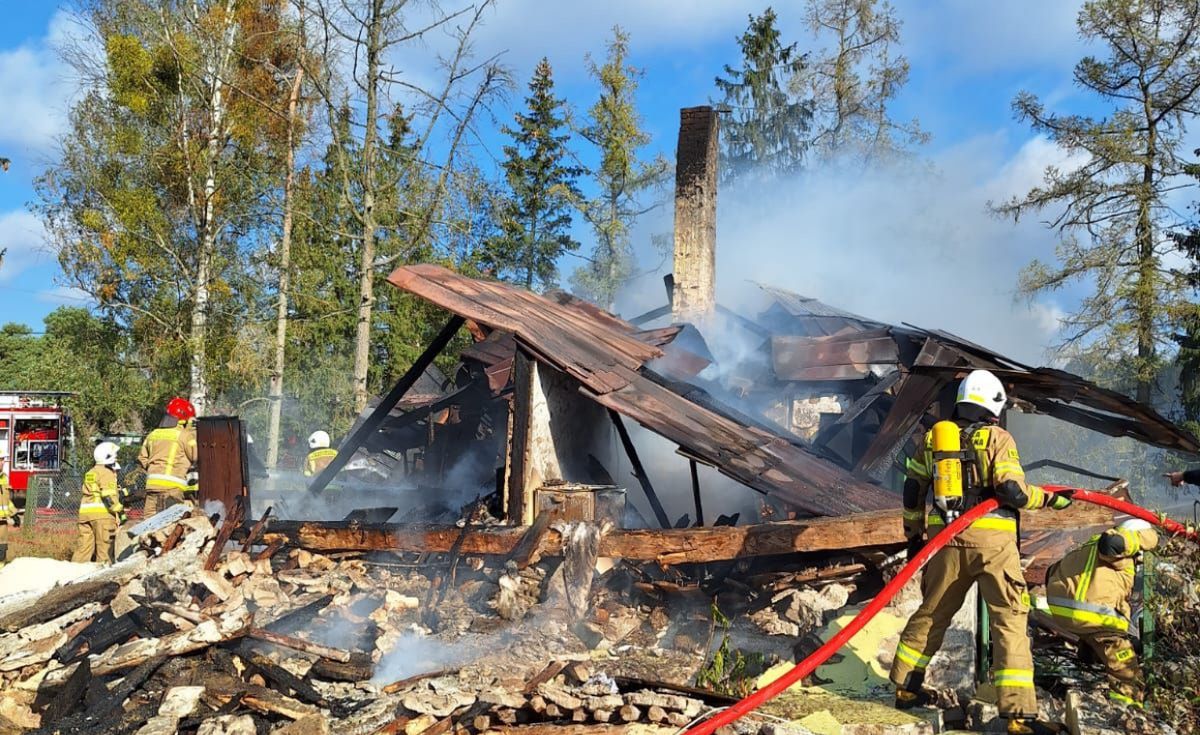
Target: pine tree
1112 210
535 220
615 127
766 130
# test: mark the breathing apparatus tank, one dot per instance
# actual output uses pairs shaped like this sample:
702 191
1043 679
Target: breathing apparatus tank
947 468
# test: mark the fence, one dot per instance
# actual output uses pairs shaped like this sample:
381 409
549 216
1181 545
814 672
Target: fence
52 502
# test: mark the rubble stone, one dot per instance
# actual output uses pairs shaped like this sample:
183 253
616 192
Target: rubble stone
309 725
160 725
180 702
228 725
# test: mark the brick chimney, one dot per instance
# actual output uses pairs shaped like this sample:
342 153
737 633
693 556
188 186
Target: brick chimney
695 269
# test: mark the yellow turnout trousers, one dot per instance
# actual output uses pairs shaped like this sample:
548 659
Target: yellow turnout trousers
945 583
159 499
95 540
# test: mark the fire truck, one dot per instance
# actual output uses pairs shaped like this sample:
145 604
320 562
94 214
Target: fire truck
36 430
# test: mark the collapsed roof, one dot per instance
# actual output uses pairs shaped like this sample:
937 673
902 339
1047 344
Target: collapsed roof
896 376
611 361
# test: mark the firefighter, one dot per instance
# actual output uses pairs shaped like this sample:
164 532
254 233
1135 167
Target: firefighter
100 507
1088 595
319 455
8 511
966 461
168 456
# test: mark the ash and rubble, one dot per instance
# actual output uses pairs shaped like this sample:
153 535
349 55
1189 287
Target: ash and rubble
208 626
255 637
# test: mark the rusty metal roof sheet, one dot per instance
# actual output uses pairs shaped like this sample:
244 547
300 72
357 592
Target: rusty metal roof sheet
608 360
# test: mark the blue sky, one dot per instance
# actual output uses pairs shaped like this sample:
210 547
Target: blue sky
968 60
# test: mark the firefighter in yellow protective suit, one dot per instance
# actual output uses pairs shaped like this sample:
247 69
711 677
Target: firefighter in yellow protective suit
8 511
983 459
1088 594
320 454
100 508
167 456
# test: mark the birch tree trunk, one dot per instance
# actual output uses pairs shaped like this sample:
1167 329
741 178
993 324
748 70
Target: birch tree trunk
285 259
366 283
216 67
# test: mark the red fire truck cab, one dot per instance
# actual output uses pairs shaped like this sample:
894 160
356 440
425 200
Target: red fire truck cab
36 430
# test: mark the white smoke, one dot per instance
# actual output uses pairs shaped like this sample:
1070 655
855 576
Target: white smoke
910 242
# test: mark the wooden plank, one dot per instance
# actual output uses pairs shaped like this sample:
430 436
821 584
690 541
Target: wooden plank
234 514
914 395
793 355
667 546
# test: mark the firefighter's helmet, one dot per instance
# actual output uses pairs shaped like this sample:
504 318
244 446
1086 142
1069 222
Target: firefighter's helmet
318 440
181 408
981 388
105 454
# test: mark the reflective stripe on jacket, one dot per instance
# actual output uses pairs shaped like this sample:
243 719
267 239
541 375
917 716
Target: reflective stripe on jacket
7 510
998 461
1091 589
317 460
167 454
99 494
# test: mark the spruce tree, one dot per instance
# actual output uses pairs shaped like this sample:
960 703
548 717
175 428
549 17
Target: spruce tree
766 130
535 220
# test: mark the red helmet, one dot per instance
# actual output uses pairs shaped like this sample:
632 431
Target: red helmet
181 408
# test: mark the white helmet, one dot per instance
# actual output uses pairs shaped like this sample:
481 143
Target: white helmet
105 454
3 450
318 440
1135 524
981 388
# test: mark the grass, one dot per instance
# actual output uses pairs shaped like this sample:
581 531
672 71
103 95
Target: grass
51 542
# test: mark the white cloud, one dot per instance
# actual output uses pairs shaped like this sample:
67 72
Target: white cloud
22 235
35 86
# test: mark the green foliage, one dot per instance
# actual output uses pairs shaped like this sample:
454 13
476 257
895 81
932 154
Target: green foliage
729 671
615 128
1111 202
855 79
86 355
535 219
1173 672
766 130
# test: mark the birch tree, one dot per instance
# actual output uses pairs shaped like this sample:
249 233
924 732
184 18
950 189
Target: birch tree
1110 203
363 35
152 190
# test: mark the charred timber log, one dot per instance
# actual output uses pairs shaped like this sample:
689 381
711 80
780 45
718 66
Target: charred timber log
666 546
56 602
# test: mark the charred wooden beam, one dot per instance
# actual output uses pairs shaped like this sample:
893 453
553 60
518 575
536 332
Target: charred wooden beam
696 492
359 668
233 520
56 602
667 546
299 644
371 424
639 471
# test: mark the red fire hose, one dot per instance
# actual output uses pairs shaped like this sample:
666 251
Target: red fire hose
806 667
